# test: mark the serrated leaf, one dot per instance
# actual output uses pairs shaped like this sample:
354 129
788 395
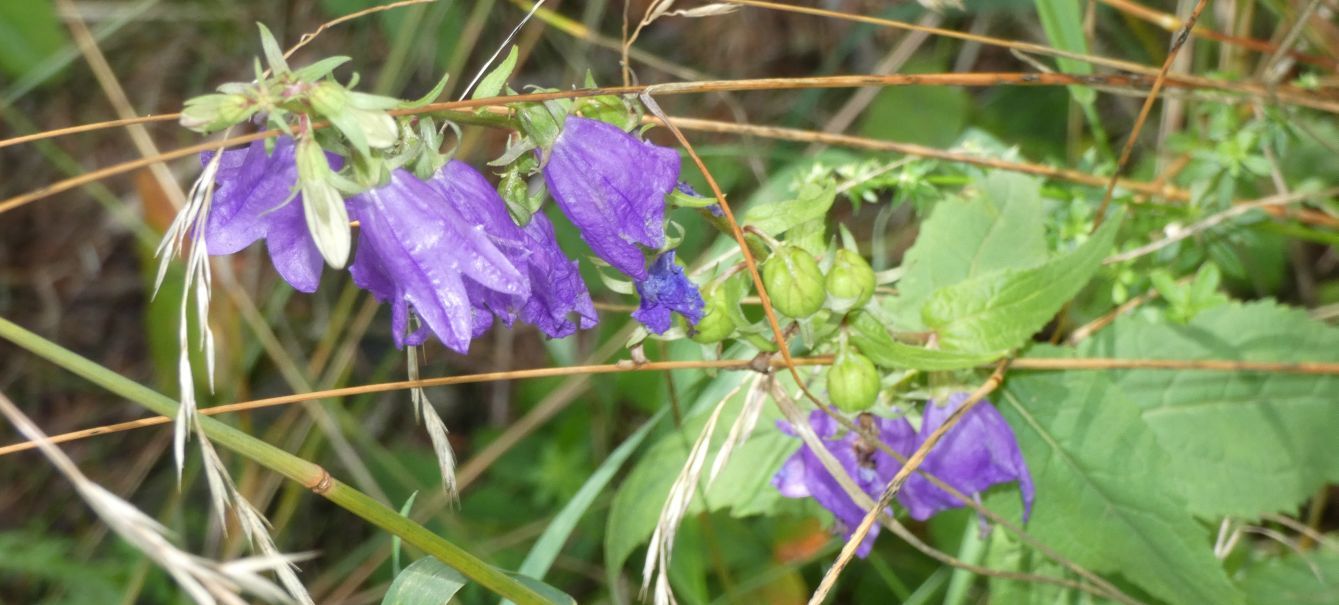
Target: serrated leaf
812 202
491 85
995 312
1105 497
1002 227
1241 444
873 339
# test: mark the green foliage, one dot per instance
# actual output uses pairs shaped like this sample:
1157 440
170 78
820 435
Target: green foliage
492 84
1306 579
29 34
426 581
811 203
1106 493
743 487
1240 443
872 337
1002 227
998 311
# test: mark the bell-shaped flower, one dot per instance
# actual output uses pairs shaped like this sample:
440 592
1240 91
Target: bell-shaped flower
556 288
255 197
977 453
416 250
804 476
666 289
612 186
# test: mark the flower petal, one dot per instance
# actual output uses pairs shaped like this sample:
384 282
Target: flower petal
978 453
612 186
667 289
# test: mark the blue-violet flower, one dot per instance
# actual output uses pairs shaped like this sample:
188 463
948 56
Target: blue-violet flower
667 290
256 197
556 288
804 476
979 452
415 248
612 186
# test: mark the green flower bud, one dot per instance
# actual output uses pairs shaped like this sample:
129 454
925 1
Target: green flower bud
850 282
323 206
716 324
208 113
328 98
853 383
794 282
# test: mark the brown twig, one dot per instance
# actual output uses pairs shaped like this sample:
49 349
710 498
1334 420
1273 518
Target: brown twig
1031 363
1291 94
1172 23
1177 42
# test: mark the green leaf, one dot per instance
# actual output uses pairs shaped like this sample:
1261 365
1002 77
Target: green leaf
812 202
491 85
1105 497
431 96
426 581
1002 227
1241 444
319 69
273 54
395 540
1063 22
999 311
869 335
1311 579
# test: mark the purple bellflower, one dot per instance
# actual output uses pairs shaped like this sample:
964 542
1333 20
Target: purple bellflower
666 289
255 198
415 248
804 476
612 186
979 452
556 288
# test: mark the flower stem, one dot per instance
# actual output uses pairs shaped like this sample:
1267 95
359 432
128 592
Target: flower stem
302 471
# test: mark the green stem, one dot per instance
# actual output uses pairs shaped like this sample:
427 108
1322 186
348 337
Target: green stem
297 469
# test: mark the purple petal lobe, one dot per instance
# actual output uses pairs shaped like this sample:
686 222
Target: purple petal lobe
612 186
416 249
979 452
255 198
557 291
803 474
667 290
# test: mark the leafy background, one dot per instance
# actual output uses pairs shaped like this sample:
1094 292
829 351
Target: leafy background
1137 471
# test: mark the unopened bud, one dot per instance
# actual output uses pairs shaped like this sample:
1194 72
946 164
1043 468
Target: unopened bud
716 324
794 282
850 282
208 113
853 382
328 98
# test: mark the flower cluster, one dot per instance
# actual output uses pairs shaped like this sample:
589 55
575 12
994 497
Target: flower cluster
978 453
446 248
